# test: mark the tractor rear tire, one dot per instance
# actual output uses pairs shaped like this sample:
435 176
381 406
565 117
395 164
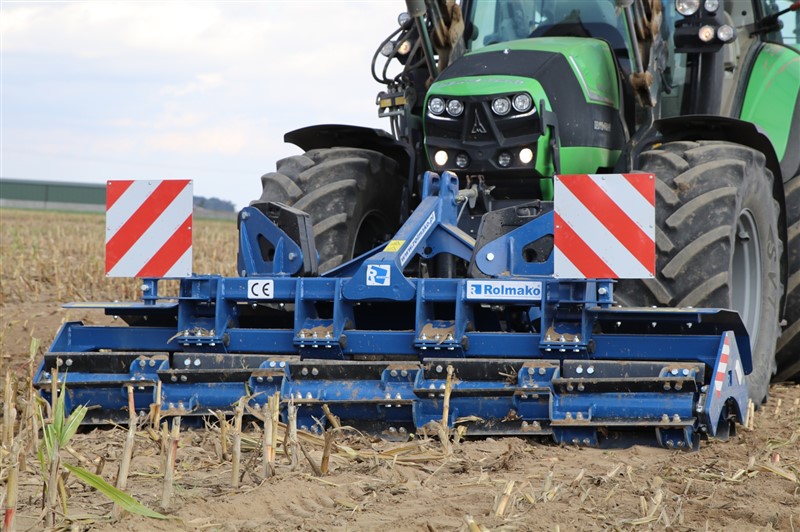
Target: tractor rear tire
352 195
789 342
717 242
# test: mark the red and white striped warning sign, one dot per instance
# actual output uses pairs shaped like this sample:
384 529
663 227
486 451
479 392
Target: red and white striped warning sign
719 378
149 228
605 226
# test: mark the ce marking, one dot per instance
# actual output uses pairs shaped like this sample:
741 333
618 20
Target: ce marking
260 289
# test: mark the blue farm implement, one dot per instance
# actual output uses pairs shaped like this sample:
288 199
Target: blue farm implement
528 353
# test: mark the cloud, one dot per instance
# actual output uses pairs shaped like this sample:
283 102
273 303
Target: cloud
142 89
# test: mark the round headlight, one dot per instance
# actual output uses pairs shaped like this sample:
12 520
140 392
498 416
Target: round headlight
687 7
403 19
711 5
501 106
525 155
725 33
522 102
387 49
440 158
436 105
706 33
455 107
462 160
504 159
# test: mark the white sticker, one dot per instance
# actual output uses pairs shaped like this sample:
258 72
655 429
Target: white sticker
505 290
379 275
739 372
406 255
260 289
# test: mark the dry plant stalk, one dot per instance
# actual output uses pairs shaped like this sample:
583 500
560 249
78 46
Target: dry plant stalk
291 428
751 415
326 452
444 432
271 413
223 434
155 409
9 413
237 443
127 449
172 454
502 503
314 467
12 486
333 420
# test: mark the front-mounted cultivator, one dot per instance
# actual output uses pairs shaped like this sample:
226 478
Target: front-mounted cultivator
527 352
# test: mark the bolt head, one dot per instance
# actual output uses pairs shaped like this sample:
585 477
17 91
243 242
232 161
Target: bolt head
490 257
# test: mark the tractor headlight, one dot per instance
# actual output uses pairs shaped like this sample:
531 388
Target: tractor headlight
711 5
404 47
522 102
436 105
455 107
525 155
706 33
504 159
725 33
501 106
440 158
687 7
462 160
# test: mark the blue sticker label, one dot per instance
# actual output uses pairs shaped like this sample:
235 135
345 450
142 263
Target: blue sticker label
505 290
379 275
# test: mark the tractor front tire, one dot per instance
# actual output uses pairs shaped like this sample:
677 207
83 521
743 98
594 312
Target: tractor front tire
352 195
717 242
789 342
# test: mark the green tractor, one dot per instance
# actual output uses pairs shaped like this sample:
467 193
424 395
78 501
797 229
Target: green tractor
509 93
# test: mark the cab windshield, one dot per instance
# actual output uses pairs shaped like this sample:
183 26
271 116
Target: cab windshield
507 20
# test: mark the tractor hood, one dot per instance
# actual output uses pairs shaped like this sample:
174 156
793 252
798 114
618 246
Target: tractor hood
574 88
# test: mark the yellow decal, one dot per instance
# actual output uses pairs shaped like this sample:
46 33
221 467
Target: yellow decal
394 246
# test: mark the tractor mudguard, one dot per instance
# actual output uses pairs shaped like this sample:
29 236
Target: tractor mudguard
340 135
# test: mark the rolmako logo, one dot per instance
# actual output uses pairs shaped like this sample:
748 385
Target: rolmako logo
505 290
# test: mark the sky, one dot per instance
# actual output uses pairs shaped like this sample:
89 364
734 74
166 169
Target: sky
99 90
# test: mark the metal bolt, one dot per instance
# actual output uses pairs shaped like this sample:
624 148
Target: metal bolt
676 418
490 257
243 273
145 288
699 408
69 362
291 256
174 378
579 415
281 364
432 387
685 372
392 430
667 386
580 387
141 363
542 371
404 373
654 323
670 444
183 378
314 371
674 371
308 395
152 363
301 334
439 369
561 338
388 396
569 415
402 430
197 361
259 379
272 363
398 396
570 387
59 362
314 334
304 371
664 418
576 441
602 290
579 369
423 336
590 370
586 441
187 362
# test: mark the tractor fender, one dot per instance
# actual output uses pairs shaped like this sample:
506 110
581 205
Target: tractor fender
340 135
720 128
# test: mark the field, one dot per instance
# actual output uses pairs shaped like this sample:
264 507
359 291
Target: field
751 482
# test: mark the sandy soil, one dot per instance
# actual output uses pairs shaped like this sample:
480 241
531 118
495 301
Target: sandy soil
751 482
